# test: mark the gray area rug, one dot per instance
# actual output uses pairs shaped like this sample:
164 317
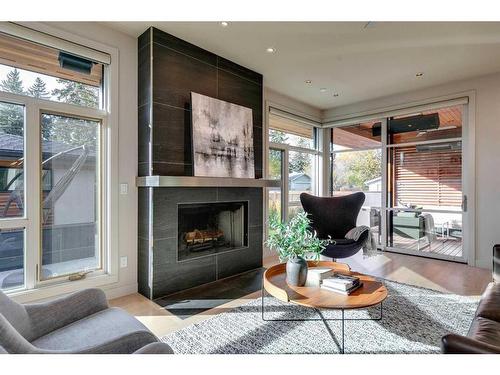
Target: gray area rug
414 319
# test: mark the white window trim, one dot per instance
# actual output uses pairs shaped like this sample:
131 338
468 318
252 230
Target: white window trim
109 167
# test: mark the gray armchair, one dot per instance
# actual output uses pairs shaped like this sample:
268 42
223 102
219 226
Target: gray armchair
81 322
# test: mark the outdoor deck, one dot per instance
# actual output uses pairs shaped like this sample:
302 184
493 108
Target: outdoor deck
443 246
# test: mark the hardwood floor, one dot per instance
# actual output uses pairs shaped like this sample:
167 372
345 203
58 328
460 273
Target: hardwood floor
429 273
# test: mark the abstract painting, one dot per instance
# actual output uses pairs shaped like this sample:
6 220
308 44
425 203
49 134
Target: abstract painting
222 138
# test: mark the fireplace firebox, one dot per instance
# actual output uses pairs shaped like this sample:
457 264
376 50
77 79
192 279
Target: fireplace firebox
209 228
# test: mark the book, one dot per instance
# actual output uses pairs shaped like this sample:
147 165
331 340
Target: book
341 291
340 281
316 274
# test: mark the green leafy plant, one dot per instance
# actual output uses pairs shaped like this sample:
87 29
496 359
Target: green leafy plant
294 239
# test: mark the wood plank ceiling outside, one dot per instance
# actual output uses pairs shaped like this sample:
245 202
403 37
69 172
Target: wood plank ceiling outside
361 136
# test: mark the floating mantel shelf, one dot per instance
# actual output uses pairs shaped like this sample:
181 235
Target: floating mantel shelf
188 181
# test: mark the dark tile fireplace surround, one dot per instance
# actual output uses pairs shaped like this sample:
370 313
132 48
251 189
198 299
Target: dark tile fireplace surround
170 273
169 70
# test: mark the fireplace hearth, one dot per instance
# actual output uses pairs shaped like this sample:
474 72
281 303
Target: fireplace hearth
210 228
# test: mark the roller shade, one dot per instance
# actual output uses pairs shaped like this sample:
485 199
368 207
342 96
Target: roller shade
34 57
290 123
44 39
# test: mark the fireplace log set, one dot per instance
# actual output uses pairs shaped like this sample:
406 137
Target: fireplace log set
197 240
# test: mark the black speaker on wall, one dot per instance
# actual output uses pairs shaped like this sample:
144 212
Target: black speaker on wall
496 263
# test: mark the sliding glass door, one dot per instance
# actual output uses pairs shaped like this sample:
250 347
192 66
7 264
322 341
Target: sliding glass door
424 184
410 169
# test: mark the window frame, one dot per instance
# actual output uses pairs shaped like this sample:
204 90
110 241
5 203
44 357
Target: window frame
317 153
109 167
99 202
31 221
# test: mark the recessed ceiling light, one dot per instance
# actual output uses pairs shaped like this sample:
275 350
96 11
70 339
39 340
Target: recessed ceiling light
419 74
224 24
322 89
308 81
335 95
270 50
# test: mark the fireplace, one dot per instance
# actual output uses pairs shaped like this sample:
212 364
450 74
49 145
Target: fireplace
210 228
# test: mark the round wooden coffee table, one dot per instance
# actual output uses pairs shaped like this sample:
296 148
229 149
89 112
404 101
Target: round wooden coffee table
372 293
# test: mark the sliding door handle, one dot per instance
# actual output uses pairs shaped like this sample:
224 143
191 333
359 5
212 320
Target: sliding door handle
464 203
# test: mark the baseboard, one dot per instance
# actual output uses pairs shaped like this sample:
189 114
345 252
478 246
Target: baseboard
120 291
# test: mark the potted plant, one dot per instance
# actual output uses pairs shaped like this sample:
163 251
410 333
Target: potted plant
294 241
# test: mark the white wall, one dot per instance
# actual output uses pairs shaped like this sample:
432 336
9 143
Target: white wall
487 148
127 150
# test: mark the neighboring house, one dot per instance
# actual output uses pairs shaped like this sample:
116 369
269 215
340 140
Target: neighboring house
374 184
72 206
72 216
299 182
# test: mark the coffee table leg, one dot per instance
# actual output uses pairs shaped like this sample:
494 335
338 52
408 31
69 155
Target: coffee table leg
323 319
343 322
262 298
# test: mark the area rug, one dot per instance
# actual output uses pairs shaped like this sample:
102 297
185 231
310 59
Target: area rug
414 320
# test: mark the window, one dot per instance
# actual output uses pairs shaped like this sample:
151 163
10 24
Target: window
12 195
12 117
51 193
70 210
275 172
293 158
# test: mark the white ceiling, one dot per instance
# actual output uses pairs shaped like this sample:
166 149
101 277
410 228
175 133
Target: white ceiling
355 60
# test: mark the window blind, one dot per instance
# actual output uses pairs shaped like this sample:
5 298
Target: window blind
290 123
47 40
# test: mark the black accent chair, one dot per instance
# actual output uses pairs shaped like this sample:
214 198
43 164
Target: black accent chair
334 217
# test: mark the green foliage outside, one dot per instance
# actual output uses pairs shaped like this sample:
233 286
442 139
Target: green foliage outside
351 170
76 93
62 129
13 83
299 162
39 89
294 239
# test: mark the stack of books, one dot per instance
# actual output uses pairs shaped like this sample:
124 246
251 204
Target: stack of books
316 275
340 283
